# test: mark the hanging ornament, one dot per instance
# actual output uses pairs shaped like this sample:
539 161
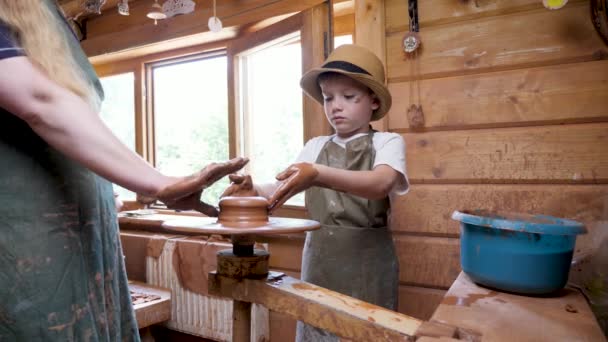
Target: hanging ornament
175 7
214 23
411 48
123 7
554 4
93 6
156 12
411 40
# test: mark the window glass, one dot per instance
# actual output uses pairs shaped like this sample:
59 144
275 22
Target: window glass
191 118
118 113
271 109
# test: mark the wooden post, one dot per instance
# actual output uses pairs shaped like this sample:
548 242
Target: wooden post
241 321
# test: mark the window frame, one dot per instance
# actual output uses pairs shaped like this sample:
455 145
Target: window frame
313 26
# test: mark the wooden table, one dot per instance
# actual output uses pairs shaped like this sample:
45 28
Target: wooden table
500 316
155 311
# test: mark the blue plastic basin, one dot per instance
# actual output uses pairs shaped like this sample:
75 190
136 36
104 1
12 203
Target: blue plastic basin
520 253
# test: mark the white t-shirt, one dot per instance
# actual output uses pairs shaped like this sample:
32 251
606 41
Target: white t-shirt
390 150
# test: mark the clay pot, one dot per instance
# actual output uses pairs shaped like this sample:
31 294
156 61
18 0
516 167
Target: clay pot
243 212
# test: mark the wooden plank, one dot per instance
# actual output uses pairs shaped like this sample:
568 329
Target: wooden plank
265 35
500 316
342 315
574 154
436 12
427 208
313 54
370 32
427 261
344 25
512 41
282 327
419 302
553 94
286 253
112 32
155 311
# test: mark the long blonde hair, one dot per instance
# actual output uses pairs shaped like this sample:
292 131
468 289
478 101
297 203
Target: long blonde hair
42 38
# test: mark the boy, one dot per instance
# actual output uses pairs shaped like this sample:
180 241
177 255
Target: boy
348 177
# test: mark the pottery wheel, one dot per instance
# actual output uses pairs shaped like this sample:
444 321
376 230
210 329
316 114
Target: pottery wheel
241 216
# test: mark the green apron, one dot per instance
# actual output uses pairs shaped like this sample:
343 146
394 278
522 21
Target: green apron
353 252
62 274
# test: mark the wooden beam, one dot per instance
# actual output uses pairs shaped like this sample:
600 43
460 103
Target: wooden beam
568 154
370 32
570 93
440 12
584 203
112 32
520 40
337 313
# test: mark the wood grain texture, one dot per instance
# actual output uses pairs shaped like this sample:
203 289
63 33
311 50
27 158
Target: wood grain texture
532 96
113 32
369 32
574 154
519 40
439 12
428 261
427 208
419 302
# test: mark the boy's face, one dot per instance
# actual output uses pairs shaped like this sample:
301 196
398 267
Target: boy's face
348 104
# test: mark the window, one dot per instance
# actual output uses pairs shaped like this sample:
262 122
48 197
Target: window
270 115
190 100
118 112
180 110
343 39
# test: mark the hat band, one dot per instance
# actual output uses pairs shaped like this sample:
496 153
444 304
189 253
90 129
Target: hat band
346 66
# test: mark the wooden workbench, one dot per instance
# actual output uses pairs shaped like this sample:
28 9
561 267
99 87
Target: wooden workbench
500 316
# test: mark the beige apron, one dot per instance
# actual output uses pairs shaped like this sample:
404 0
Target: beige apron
353 252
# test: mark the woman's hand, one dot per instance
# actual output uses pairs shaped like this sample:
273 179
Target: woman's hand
185 192
241 186
296 178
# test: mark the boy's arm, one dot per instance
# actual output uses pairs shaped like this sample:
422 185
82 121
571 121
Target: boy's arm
373 184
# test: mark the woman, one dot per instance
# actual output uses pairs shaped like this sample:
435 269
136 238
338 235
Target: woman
62 275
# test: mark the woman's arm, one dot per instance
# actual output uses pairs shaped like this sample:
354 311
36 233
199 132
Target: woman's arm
66 122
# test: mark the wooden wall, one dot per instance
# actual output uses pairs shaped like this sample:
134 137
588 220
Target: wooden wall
515 99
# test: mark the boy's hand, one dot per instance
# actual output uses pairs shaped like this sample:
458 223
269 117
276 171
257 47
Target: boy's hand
185 193
296 178
240 186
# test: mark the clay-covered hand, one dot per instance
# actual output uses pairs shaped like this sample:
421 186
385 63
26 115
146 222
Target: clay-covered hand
185 193
296 178
240 186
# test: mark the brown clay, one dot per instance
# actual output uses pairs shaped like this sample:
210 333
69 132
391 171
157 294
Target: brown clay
243 211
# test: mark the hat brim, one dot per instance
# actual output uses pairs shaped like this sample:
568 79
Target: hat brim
311 87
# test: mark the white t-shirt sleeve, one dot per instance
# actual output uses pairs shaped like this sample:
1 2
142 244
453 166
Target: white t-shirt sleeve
311 149
390 150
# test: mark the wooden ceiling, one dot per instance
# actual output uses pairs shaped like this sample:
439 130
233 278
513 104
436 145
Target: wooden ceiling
109 32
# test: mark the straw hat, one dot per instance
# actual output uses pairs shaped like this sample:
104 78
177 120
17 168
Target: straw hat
357 63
